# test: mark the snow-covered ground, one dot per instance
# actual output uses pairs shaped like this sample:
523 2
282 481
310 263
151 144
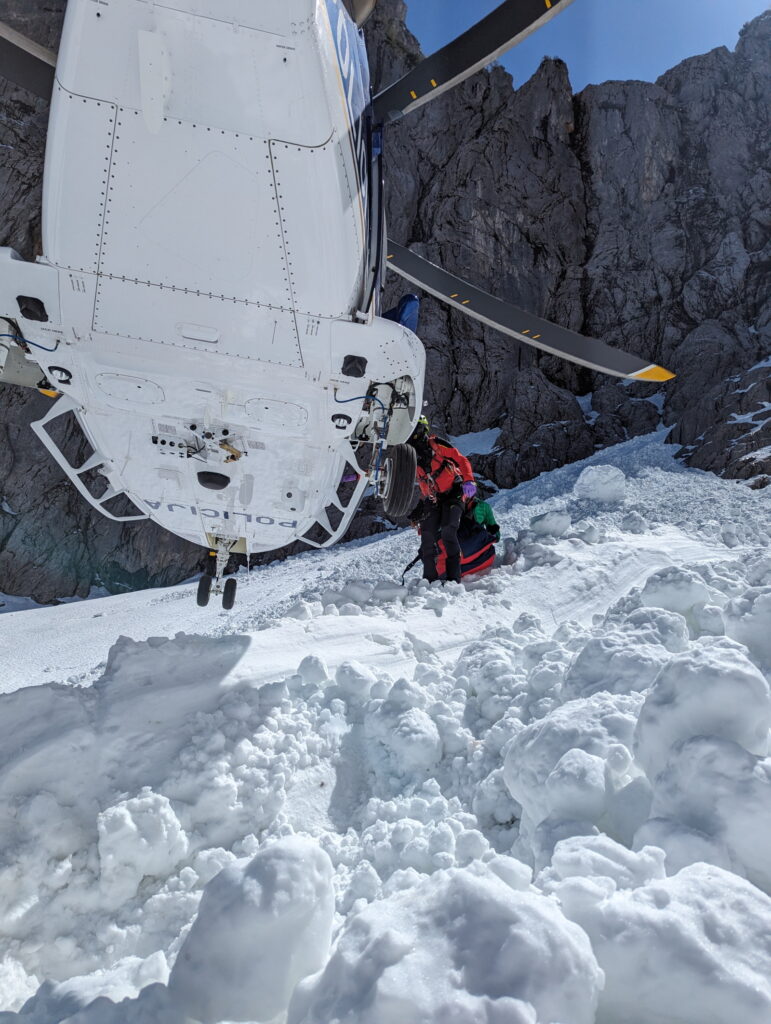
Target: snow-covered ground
542 797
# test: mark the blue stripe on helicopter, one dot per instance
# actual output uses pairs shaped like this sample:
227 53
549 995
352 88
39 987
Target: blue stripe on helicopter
354 71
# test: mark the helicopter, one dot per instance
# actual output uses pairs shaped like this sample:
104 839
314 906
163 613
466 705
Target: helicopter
206 309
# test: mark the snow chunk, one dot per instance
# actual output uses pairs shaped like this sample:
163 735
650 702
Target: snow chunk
716 788
711 690
657 626
576 786
676 589
551 524
355 680
261 928
633 522
460 946
358 591
313 669
491 675
137 837
682 845
404 739
692 949
604 484
409 737
595 726
612 662
748 620
602 857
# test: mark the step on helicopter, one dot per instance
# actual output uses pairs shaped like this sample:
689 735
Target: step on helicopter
207 305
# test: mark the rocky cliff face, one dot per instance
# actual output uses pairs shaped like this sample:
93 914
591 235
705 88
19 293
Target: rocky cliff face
635 212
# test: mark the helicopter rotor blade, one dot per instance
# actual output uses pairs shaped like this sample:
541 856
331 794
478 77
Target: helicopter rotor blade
26 63
509 319
483 43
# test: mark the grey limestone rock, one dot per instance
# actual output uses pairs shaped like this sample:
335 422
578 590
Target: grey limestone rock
636 212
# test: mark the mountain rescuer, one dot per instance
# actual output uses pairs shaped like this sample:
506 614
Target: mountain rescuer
446 482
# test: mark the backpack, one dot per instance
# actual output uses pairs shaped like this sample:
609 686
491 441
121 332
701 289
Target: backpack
477 550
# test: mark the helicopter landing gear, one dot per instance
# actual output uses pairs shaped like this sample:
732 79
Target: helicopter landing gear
204 589
229 594
211 581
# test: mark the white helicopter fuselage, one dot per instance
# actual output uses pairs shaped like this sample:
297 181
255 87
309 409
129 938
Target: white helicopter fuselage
207 266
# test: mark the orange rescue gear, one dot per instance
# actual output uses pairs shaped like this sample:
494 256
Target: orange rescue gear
448 467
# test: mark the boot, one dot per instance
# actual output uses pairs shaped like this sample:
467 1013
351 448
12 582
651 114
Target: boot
429 571
452 572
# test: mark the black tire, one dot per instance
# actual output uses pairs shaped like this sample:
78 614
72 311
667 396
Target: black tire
204 589
229 594
398 480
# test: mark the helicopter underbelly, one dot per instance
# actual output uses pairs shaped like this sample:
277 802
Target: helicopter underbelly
220 450
204 214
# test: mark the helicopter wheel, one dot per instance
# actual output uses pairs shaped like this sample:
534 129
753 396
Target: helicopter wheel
398 480
204 589
229 594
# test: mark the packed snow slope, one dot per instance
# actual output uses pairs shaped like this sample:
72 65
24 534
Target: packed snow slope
542 797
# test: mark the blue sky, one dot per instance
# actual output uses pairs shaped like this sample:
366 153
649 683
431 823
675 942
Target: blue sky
599 39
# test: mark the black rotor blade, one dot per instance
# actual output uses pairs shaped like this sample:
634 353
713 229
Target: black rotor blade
558 341
26 63
484 42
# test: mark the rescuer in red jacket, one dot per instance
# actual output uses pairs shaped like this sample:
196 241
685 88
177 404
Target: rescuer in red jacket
446 482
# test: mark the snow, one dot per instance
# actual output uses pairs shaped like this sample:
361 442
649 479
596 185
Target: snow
551 524
751 417
541 797
461 945
710 690
604 484
758 455
138 838
692 949
715 791
261 928
590 413
480 442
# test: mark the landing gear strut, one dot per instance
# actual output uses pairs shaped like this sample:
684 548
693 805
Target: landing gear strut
211 581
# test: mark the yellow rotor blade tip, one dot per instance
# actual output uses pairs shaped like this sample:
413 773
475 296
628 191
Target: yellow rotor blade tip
654 373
